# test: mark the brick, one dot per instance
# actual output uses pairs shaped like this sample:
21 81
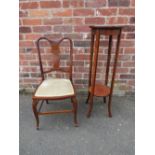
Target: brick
77 76
34 63
23 63
28 50
129 50
117 20
53 36
106 12
124 87
80 69
20 23
28 80
24 75
124 57
131 82
35 75
78 63
95 20
118 64
73 4
38 13
23 13
132 70
81 81
82 43
83 12
129 29
77 3
23 29
29 5
31 21
26 57
62 29
127 11
116 3
41 28
63 13
132 2
132 20
44 44
32 36
81 29
95 3
50 4
122 70
130 36
21 50
26 44
74 36
127 76
21 37
127 43
66 3
53 21
73 21
129 64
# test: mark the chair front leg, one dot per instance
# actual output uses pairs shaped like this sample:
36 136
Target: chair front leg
34 108
75 106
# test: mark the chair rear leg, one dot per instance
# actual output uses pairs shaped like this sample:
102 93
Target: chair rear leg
104 99
75 106
34 108
47 102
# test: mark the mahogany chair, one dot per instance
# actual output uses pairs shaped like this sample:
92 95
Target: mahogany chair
54 88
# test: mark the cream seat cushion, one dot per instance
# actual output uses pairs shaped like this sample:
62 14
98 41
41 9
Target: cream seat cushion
55 87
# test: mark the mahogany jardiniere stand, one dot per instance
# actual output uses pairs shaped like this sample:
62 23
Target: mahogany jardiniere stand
95 89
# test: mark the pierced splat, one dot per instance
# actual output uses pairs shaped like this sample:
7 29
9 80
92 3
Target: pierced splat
55 49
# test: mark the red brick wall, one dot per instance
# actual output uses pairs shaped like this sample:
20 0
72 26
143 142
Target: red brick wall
72 18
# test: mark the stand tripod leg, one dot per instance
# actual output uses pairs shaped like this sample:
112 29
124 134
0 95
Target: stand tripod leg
109 106
90 106
88 98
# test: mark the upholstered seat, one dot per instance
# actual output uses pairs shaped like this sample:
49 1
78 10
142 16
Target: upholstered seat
55 87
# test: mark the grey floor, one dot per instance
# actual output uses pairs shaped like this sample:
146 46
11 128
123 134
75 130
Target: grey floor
98 135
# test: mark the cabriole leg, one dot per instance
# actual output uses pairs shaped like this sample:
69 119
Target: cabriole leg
34 108
75 106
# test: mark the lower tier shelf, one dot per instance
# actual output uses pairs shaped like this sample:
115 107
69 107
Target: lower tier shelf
100 90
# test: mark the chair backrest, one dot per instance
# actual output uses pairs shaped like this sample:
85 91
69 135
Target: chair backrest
55 49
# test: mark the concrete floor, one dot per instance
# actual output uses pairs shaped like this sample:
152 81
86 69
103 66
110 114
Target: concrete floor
98 135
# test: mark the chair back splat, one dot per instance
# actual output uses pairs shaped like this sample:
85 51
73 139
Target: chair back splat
55 50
